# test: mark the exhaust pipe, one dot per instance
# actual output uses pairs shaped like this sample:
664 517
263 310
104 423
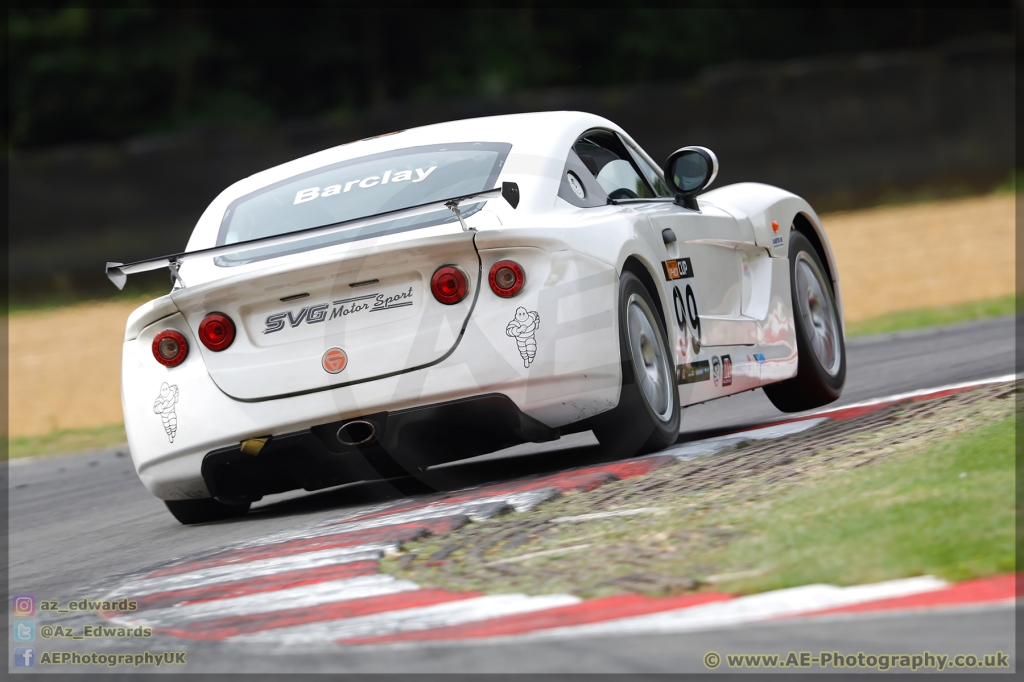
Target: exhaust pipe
357 432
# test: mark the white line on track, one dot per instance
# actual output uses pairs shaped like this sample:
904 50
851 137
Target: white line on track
753 608
420 618
304 596
710 446
252 569
1005 378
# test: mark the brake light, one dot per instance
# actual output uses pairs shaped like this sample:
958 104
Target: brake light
506 278
216 331
448 285
170 348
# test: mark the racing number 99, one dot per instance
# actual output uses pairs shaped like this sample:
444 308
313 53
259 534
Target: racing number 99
686 310
691 311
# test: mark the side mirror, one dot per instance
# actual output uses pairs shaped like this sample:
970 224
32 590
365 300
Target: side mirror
688 172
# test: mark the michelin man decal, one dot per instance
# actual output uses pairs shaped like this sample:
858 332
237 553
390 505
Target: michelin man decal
524 330
164 406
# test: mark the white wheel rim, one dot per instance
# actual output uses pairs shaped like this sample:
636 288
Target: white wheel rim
817 312
648 353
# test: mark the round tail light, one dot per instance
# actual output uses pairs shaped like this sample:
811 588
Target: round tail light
216 331
170 348
448 285
506 278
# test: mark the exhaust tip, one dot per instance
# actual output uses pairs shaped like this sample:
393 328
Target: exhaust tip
358 432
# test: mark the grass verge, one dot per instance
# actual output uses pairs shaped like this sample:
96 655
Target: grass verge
916 488
933 317
947 510
69 440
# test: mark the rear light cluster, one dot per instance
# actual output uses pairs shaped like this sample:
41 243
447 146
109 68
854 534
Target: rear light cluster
170 348
506 278
216 332
448 284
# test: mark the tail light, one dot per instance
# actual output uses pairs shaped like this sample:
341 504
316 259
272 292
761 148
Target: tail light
170 348
448 285
216 331
506 278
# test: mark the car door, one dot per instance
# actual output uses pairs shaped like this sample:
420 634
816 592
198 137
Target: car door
705 262
708 264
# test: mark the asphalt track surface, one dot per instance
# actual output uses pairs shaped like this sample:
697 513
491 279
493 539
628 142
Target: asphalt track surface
76 520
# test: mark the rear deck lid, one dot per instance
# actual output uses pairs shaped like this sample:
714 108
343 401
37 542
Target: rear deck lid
333 319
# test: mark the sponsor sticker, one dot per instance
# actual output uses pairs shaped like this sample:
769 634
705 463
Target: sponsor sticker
693 372
164 406
523 328
759 357
334 360
777 242
726 370
716 370
313 314
314 193
680 268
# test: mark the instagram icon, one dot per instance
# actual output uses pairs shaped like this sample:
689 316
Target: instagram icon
24 605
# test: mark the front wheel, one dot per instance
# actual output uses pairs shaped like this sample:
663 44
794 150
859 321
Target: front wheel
821 352
647 416
206 509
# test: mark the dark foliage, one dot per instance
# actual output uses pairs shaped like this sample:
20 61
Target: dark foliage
79 74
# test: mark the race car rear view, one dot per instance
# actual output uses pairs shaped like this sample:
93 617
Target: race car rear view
388 305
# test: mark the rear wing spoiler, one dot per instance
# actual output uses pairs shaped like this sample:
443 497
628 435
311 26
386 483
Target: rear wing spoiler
118 272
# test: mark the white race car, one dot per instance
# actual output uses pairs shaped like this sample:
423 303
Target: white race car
374 309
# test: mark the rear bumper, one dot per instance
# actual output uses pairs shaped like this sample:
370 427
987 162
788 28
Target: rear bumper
574 375
401 444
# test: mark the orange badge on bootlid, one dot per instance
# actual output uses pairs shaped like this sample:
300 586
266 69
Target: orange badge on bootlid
334 360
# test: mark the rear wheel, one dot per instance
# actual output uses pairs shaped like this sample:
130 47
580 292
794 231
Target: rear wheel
189 512
821 371
647 416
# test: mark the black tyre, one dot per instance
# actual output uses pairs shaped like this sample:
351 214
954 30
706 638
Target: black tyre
206 509
821 371
647 416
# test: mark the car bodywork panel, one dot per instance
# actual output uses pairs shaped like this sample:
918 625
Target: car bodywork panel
729 319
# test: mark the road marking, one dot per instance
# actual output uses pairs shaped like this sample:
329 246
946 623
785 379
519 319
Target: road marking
710 446
320 582
922 393
265 602
440 615
252 569
753 608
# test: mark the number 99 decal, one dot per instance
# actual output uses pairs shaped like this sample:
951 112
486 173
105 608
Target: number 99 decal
687 310
677 302
693 315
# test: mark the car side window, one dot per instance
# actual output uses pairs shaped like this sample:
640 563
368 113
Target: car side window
612 165
653 176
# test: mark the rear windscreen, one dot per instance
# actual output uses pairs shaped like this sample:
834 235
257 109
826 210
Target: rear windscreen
361 188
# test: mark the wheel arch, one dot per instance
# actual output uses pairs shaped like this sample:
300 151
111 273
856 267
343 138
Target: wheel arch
634 265
810 227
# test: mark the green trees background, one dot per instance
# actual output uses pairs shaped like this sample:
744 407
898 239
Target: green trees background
79 74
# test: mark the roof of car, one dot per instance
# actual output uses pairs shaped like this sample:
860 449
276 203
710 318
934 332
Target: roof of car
540 144
533 133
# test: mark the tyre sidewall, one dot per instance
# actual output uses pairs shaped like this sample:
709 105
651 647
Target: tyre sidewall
810 370
662 433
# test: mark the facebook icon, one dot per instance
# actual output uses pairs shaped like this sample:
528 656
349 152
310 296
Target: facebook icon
24 657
